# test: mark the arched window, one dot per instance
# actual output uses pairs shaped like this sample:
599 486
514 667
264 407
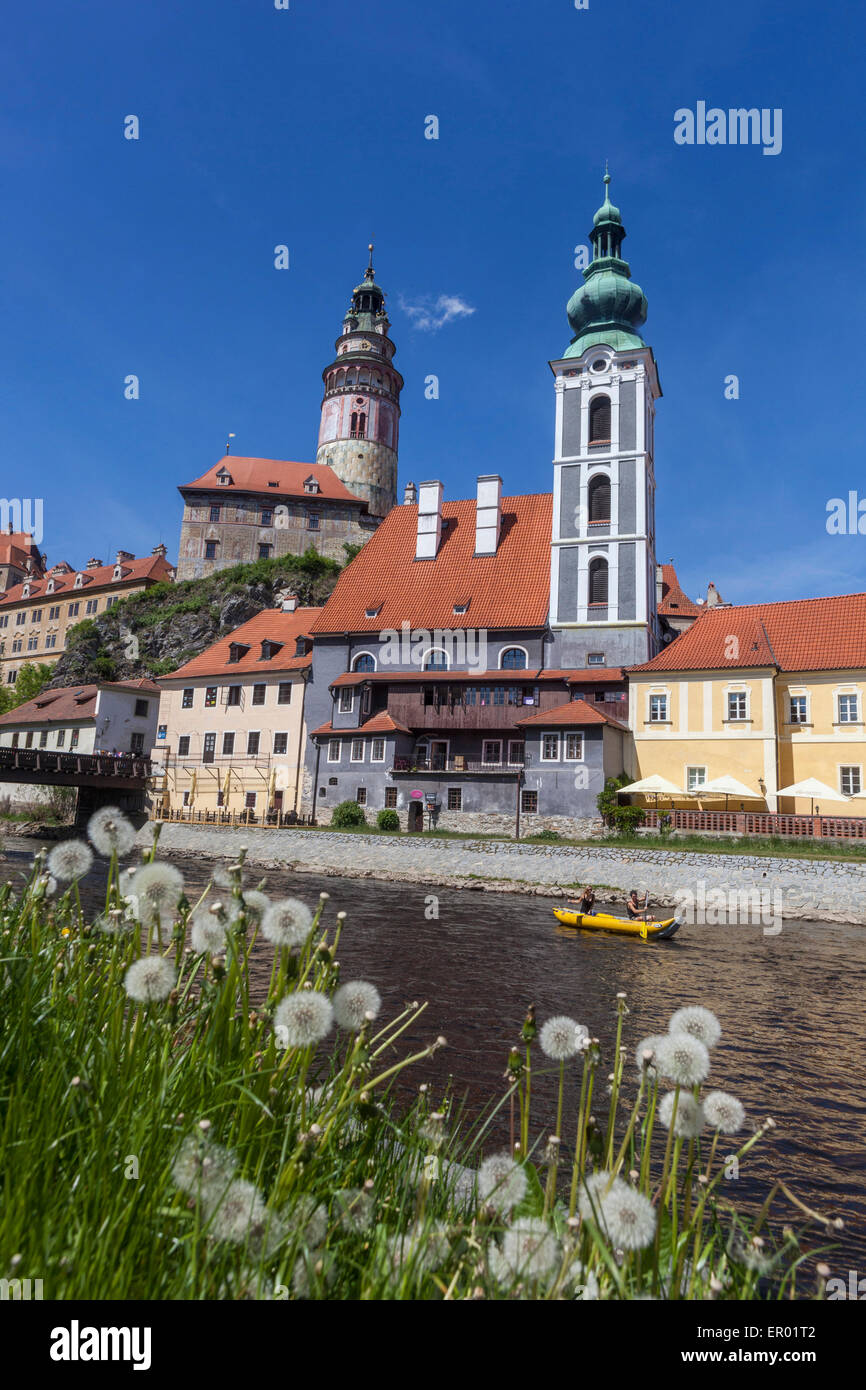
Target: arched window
362 425
513 659
436 660
599 498
599 420
364 662
354 424
598 581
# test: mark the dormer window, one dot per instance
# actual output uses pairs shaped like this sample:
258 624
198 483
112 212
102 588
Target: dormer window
302 646
49 587
373 611
462 607
311 485
79 581
224 477
270 649
270 484
25 592
118 573
237 650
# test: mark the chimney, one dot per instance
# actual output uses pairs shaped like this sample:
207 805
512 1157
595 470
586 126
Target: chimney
290 603
123 556
93 563
410 495
660 584
488 513
159 550
429 521
714 598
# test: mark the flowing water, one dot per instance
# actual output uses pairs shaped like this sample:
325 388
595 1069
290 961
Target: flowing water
790 1006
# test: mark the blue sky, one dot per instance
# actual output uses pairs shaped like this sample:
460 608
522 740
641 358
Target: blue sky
306 127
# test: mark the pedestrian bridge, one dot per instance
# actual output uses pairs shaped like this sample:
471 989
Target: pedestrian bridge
106 771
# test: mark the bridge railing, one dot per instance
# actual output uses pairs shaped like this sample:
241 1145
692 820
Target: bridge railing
762 823
85 764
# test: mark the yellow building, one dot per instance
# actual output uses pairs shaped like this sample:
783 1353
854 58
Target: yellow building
37 613
769 694
231 732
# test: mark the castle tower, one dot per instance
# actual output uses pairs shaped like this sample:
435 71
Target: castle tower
361 406
603 570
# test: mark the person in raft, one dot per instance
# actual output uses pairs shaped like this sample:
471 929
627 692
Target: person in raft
586 903
633 906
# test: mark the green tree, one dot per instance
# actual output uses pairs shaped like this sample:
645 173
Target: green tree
32 680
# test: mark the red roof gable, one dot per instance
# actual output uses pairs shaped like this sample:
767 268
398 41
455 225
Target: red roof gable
499 676
258 475
576 712
810 634
69 703
508 589
382 723
673 601
152 567
271 625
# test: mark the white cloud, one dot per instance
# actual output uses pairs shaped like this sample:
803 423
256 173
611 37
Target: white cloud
429 314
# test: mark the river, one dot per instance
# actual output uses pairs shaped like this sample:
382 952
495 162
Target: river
790 1007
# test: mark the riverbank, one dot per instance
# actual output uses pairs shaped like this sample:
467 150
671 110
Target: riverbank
790 889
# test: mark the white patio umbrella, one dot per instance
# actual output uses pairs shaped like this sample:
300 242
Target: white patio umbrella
811 787
729 786
654 786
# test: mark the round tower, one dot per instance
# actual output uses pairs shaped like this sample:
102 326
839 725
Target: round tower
361 406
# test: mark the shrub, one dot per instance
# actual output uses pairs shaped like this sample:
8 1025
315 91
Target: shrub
348 813
626 819
388 820
545 835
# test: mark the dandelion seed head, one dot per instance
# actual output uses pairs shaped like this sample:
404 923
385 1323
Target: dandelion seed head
501 1182
353 1001
255 903
201 1167
701 1023
356 1208
305 1017
70 860
560 1037
312 1269
593 1191
628 1217
724 1112
683 1059
530 1248
208 933
425 1247
239 1213
110 832
155 890
312 1217
650 1044
287 923
689 1120
149 979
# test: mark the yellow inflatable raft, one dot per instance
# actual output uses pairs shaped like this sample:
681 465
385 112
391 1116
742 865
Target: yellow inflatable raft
605 921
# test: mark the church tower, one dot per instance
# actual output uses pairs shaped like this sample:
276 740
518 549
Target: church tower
361 406
602 572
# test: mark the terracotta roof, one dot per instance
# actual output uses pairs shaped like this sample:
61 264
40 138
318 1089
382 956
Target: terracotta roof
70 702
256 475
271 625
16 547
382 723
809 634
508 589
100 577
576 712
500 676
673 600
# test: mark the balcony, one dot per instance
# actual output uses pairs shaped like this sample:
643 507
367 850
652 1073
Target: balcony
458 765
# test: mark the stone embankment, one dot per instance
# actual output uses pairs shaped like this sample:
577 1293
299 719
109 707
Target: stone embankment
731 886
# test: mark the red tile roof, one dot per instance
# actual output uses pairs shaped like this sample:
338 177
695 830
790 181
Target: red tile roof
152 567
508 589
500 676
809 634
576 712
16 547
673 601
271 625
382 723
256 475
72 702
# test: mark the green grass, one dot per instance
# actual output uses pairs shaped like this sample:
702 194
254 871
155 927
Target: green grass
179 1148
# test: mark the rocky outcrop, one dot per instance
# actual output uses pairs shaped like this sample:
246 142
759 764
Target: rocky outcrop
153 633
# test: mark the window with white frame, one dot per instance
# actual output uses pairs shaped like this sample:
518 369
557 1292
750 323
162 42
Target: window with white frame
658 709
357 750
281 743
847 709
550 748
696 777
799 710
515 752
361 796
738 702
346 700
377 750
491 752
333 750
850 780
573 748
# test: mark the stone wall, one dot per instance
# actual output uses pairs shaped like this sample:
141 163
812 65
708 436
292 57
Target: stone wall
489 822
